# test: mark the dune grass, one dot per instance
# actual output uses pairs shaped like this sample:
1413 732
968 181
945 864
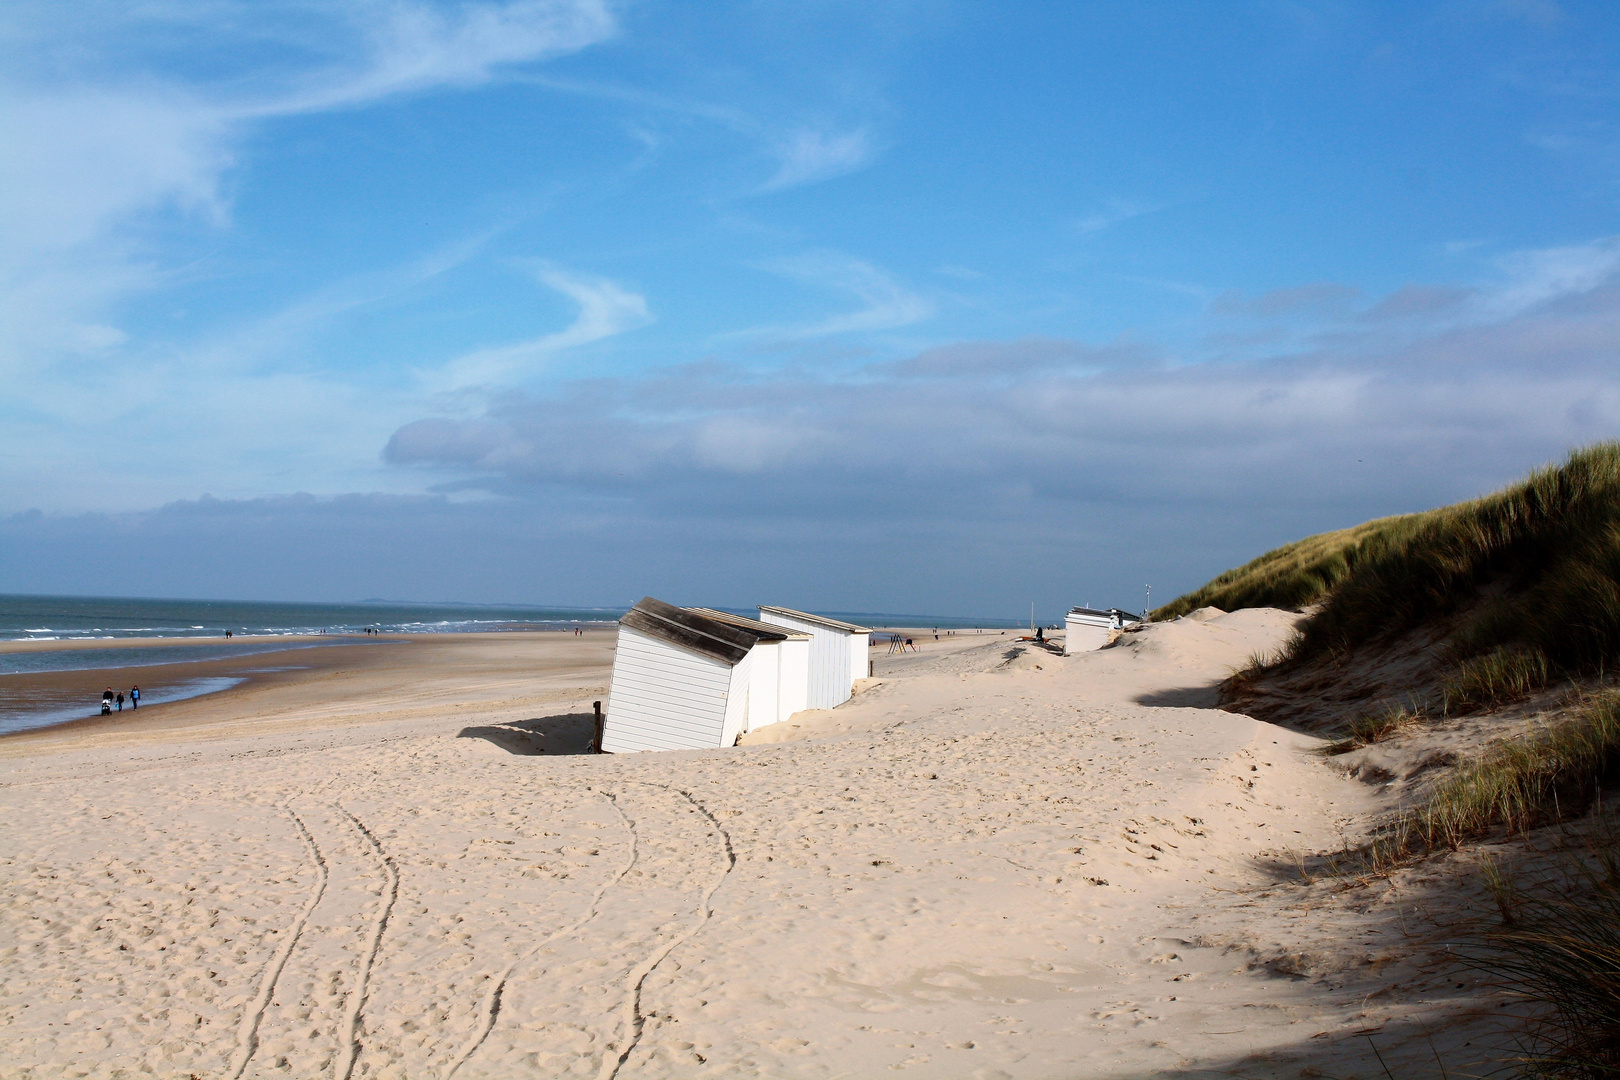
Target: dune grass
1519 589
1542 777
1534 567
1375 727
1501 676
1558 947
1296 574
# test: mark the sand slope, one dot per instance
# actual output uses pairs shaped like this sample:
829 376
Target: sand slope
995 862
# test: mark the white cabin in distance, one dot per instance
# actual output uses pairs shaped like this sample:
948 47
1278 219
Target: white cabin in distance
682 679
838 652
1088 629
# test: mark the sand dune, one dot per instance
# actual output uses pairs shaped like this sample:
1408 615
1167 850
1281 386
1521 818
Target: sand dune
993 862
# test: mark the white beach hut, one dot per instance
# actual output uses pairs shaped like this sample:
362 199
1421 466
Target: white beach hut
1087 629
779 681
837 652
681 679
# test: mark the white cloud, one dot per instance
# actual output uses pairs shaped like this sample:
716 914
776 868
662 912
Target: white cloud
1112 213
413 47
1537 276
97 138
108 140
887 304
606 309
1417 406
809 156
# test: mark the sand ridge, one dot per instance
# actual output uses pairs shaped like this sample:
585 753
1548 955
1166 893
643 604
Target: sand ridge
994 862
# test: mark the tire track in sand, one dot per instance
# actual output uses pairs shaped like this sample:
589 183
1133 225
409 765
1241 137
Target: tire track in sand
348 1032
247 1035
631 1018
492 1000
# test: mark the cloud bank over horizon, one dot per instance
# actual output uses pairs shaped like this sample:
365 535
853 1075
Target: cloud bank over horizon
568 301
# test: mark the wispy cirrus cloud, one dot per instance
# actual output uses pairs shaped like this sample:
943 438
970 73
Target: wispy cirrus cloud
810 155
102 126
1113 212
606 309
412 47
123 129
887 304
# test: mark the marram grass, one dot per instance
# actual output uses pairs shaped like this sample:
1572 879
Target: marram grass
1501 676
1548 774
1375 727
1558 948
1534 566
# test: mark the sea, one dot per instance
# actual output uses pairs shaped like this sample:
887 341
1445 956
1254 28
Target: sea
116 632
60 618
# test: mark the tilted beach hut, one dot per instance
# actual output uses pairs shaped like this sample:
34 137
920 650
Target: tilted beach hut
681 679
1087 629
779 682
837 652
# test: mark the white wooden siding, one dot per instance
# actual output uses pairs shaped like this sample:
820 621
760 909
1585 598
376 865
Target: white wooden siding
859 656
736 717
664 697
1083 633
830 665
764 684
793 683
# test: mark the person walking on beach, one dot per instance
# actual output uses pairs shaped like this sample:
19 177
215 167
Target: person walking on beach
120 701
106 701
134 697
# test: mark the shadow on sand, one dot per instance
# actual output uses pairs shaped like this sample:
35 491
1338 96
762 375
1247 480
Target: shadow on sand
566 733
1407 1049
1182 697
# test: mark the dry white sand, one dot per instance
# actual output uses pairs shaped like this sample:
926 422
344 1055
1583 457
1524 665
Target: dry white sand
993 862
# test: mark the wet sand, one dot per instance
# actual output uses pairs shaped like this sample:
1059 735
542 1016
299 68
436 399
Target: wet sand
320 683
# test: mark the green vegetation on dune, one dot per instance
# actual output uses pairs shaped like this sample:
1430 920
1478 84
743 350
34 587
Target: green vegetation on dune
1296 574
1533 569
1483 604
1548 774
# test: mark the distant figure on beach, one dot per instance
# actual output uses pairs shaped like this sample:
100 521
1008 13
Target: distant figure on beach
120 701
134 697
106 701
227 633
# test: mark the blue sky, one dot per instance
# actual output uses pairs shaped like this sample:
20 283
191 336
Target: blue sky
914 306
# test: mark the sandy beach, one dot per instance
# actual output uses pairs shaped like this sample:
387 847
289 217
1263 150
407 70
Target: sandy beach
995 861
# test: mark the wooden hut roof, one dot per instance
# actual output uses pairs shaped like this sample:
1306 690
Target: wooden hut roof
772 630
723 640
1112 612
819 620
